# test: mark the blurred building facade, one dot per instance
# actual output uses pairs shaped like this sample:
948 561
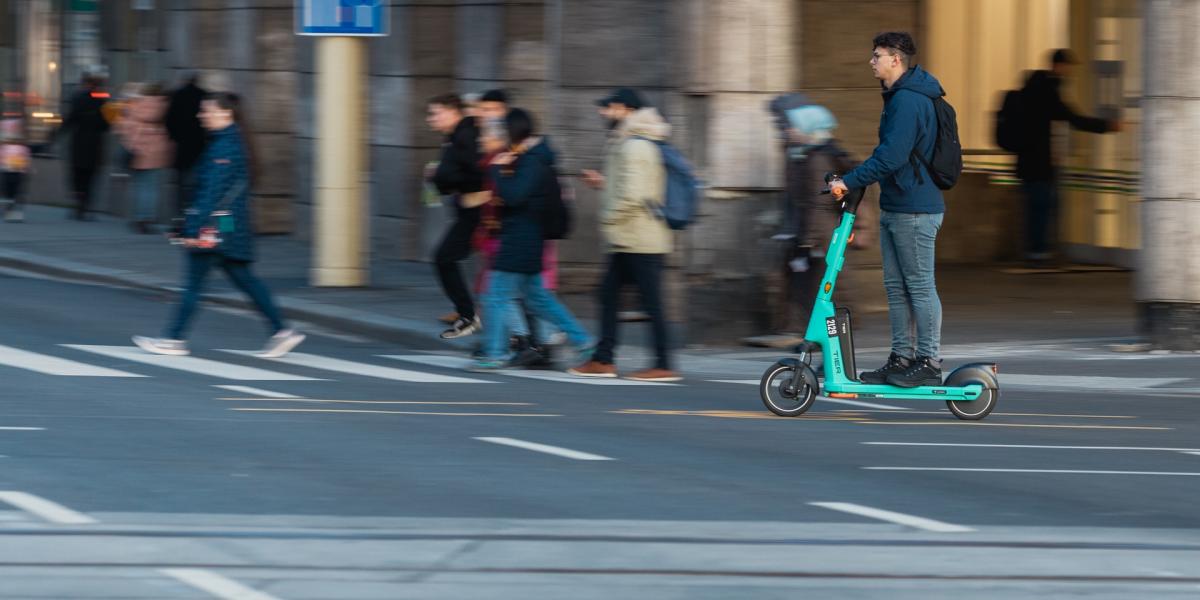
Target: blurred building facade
710 65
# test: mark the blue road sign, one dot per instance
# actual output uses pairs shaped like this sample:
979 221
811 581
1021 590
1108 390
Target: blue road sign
342 17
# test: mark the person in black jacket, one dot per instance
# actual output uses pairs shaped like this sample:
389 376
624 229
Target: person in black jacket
184 128
458 174
1041 105
523 178
86 125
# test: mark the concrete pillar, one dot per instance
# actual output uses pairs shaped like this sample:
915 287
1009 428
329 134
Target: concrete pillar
1168 279
340 248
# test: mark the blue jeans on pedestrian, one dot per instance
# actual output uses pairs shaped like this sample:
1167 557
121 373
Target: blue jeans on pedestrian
907 243
504 289
1041 211
238 271
146 185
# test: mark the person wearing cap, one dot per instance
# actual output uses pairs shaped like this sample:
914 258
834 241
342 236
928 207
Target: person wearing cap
1041 105
637 241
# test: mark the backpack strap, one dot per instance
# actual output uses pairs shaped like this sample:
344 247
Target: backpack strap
920 160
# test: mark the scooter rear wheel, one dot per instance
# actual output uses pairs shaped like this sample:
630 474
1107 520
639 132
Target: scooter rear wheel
788 390
973 410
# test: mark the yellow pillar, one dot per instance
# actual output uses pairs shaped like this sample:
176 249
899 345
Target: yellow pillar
340 249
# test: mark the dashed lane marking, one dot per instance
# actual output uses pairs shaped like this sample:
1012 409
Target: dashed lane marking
893 517
387 412
22 428
543 448
191 364
217 585
41 507
1035 471
243 389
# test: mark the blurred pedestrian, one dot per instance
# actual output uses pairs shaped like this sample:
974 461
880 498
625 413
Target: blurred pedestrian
458 175
188 135
143 133
523 176
808 218
16 163
634 184
911 211
492 104
86 124
1041 104
218 231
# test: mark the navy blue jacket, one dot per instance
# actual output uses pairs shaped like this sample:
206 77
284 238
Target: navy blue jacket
908 123
222 183
523 192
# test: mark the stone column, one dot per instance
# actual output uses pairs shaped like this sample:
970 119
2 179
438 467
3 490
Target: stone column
1167 285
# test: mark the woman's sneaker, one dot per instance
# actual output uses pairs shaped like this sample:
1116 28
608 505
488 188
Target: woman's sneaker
462 328
896 365
161 346
281 343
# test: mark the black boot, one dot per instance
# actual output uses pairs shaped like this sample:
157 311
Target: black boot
525 353
896 364
924 371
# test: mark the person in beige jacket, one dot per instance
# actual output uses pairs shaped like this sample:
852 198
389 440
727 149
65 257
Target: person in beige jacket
143 132
636 239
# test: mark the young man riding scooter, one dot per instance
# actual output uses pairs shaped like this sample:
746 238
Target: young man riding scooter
911 210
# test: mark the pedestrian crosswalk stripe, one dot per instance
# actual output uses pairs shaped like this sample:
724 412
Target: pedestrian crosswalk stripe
458 362
52 365
325 363
190 364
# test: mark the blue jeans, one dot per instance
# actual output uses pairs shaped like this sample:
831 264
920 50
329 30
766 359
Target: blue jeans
1041 210
907 243
198 265
504 289
146 185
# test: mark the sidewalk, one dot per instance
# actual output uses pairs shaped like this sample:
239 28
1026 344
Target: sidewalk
400 306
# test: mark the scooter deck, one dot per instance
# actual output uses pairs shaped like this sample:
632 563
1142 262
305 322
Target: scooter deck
869 391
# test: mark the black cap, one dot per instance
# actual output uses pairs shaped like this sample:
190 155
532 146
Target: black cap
494 96
625 96
1063 56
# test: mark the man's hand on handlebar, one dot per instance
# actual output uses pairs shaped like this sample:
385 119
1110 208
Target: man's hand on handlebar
838 189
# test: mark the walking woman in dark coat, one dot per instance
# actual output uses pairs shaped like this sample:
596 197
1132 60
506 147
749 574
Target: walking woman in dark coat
218 231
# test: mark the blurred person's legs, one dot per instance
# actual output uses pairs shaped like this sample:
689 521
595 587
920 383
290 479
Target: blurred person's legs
198 265
610 300
82 178
646 271
502 293
239 273
1041 207
146 185
544 305
10 196
456 247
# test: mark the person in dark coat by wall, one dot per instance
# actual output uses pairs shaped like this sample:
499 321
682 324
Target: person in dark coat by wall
222 209
1041 105
86 125
185 130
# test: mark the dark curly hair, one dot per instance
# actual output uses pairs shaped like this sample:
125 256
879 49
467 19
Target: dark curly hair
899 42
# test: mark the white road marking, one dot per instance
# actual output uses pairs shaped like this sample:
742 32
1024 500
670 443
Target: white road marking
41 507
458 362
52 365
1051 471
823 399
555 450
1195 452
1085 382
338 365
190 364
22 428
215 584
1035 446
894 517
243 389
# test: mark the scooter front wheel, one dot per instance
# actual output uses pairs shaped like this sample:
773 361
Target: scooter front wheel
788 390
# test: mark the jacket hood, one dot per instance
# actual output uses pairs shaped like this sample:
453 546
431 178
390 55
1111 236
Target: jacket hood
918 80
647 123
539 148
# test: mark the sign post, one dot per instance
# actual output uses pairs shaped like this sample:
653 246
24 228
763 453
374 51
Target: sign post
341 247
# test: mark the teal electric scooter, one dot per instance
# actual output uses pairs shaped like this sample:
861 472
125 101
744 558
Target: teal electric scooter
790 386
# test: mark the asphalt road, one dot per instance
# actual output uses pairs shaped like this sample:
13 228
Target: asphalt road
355 469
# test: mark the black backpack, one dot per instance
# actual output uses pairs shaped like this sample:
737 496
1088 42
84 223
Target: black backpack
947 163
556 212
1010 121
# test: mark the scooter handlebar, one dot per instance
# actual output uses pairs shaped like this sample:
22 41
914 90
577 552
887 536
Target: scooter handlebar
851 199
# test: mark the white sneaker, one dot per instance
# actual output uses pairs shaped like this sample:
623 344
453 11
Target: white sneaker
281 343
462 328
162 346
